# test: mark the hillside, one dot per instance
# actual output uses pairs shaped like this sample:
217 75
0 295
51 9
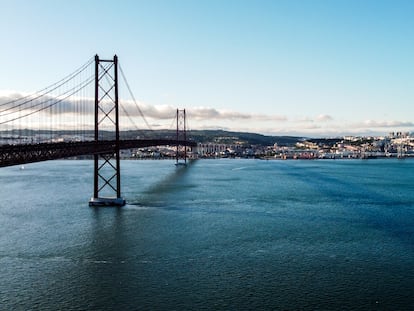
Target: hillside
243 138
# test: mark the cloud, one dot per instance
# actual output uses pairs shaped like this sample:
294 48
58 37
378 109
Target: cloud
203 113
305 120
11 104
324 118
309 127
20 104
270 118
195 113
319 118
160 112
386 124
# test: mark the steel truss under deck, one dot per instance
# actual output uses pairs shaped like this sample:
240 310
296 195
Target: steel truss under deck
30 153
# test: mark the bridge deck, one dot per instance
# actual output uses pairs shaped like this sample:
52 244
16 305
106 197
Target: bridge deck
29 153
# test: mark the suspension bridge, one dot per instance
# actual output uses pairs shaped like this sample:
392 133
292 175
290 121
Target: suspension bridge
80 115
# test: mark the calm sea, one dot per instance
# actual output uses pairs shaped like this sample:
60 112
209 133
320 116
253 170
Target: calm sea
216 235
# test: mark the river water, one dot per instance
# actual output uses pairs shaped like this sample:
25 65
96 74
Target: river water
215 235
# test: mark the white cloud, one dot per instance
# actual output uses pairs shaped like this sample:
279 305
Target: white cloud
203 113
196 113
324 118
319 118
12 102
198 117
386 124
305 120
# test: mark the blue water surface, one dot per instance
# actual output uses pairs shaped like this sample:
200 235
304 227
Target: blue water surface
215 235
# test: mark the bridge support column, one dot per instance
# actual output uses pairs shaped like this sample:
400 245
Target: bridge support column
107 177
181 136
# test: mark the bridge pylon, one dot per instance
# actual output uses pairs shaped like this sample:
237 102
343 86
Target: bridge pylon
107 177
181 153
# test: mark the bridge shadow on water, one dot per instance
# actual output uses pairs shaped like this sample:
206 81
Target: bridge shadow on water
159 193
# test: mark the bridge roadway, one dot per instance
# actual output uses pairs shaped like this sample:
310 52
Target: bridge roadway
29 153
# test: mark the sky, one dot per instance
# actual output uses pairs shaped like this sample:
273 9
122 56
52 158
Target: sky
280 67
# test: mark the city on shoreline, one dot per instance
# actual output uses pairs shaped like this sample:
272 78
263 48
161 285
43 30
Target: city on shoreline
394 145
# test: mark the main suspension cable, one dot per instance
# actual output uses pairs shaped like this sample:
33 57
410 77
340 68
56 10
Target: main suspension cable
54 86
76 88
81 87
133 98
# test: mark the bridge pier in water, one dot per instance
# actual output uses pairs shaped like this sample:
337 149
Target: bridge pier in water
107 176
181 135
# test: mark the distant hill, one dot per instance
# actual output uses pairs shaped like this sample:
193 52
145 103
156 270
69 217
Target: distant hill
243 138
